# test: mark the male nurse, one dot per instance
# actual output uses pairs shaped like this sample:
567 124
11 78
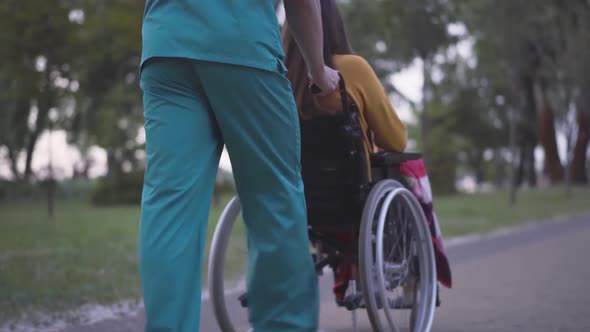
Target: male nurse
212 74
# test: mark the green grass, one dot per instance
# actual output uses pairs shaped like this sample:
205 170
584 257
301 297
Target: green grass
89 255
83 255
483 212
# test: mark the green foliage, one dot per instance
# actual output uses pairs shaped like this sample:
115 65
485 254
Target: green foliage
400 32
530 53
524 51
444 149
108 108
124 189
407 29
38 44
91 52
474 117
77 58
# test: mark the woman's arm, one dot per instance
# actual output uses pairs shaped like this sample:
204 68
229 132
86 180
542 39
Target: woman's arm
389 132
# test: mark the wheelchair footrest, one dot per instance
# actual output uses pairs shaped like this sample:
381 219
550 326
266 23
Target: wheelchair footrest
352 301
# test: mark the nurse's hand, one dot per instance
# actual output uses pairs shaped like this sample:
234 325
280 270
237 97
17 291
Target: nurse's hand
326 80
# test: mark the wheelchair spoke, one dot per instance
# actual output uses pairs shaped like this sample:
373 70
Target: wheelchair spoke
392 267
399 279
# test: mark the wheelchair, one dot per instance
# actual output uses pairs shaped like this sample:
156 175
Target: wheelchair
389 245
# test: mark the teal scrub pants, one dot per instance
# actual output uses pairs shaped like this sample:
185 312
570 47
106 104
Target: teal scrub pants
192 108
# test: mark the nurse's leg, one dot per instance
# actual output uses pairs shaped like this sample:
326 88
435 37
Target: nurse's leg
183 146
259 123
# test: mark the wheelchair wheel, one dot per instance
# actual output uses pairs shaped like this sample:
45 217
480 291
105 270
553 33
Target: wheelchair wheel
396 261
228 262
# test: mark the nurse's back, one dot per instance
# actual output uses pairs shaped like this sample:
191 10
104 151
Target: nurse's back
228 31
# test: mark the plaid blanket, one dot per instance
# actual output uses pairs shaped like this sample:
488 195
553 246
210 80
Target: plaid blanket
414 172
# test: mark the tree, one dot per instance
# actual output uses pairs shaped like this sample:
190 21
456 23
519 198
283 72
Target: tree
513 34
575 22
527 80
108 106
578 171
400 32
36 39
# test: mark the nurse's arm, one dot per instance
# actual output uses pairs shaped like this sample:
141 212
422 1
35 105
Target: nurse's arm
305 23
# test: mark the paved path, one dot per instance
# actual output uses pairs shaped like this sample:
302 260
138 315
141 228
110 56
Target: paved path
535 279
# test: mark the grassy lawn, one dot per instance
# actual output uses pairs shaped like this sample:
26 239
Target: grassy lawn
89 255
484 212
83 255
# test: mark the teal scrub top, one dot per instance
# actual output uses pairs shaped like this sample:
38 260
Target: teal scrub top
238 32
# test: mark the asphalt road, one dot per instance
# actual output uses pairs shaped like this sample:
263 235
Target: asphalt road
532 279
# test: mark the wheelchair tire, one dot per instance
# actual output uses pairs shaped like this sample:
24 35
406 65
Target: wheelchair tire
410 260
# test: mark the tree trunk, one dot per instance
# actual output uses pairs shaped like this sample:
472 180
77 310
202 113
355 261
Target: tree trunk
44 104
84 173
13 157
30 149
525 172
500 173
529 134
568 177
478 176
114 168
529 164
476 163
552 167
424 117
519 170
578 163
514 153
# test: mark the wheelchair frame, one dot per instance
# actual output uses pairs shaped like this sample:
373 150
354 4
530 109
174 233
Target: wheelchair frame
341 198
372 280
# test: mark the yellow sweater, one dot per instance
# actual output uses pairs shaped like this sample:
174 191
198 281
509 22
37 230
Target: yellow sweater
377 117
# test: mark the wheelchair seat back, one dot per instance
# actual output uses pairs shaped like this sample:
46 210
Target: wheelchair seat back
334 168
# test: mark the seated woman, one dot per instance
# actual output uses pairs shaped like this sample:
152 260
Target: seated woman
382 128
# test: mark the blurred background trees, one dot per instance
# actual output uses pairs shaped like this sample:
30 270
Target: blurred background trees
519 84
37 48
504 93
71 66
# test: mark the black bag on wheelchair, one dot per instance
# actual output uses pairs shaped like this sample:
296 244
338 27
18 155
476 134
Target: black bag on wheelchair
334 168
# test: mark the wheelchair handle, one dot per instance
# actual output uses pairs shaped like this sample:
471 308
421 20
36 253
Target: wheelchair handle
315 89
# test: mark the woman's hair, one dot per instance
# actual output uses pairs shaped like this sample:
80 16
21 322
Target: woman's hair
335 42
